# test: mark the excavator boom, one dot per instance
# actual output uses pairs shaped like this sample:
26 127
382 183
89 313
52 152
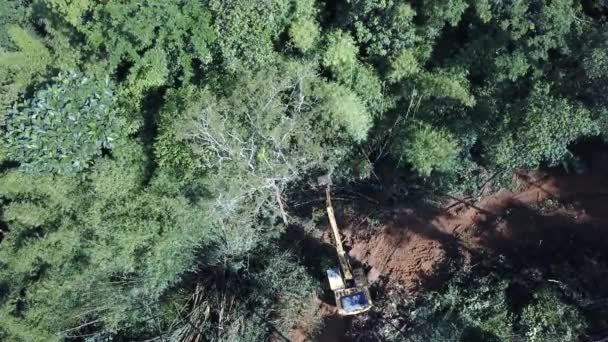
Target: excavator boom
344 264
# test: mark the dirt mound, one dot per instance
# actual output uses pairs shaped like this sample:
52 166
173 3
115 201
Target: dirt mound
404 252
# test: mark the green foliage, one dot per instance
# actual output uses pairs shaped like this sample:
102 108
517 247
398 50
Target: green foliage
11 14
512 66
348 111
429 149
382 28
70 11
195 118
340 54
547 126
553 23
369 88
31 58
64 126
248 30
484 10
17 185
151 71
602 123
170 151
481 308
143 33
403 65
596 64
460 312
304 34
548 318
119 245
18 330
449 11
276 135
451 84
20 68
287 280
26 214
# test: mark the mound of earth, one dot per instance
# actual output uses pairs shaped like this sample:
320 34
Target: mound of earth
407 251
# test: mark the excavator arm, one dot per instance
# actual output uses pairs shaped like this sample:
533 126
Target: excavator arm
344 263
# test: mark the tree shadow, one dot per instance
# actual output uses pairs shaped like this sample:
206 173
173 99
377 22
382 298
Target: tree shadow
553 249
334 329
405 227
249 298
532 249
355 212
7 165
4 228
151 104
316 256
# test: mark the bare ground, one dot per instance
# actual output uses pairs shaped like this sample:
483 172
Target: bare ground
548 214
557 210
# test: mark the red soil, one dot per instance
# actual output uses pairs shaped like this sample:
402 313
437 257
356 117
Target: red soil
415 245
550 213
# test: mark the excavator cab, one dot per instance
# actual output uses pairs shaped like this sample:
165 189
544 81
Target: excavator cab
350 300
349 286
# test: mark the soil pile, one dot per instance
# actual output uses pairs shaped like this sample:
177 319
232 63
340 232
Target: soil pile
408 251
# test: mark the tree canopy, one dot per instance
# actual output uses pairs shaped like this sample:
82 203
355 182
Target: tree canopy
150 149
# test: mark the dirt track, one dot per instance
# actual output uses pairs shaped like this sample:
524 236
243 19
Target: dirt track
549 214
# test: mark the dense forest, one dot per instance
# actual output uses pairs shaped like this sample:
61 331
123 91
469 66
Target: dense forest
153 153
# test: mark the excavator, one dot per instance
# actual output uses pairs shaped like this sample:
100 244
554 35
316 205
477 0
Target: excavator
349 285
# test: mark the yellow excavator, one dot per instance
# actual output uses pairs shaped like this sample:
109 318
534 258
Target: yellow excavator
349 286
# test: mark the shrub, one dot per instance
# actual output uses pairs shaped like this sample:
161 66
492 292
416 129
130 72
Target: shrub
348 111
341 53
304 34
478 307
429 149
403 65
550 319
